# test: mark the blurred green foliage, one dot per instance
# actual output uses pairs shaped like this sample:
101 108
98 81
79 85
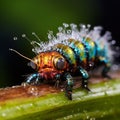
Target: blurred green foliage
43 15
26 16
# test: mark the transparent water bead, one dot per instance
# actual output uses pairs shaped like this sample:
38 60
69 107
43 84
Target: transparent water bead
15 38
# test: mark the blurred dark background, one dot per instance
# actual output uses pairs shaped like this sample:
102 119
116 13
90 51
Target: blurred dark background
27 16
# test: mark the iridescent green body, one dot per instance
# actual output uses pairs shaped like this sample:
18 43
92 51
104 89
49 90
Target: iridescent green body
80 56
70 52
84 53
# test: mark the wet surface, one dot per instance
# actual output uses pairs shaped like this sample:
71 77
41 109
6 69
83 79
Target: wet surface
44 89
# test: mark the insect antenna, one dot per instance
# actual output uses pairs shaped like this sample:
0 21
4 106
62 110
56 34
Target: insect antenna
24 36
34 34
21 55
31 42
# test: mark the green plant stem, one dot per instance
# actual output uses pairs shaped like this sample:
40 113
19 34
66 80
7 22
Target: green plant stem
102 103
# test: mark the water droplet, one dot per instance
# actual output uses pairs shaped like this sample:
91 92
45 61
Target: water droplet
15 38
113 42
33 90
31 104
23 35
33 50
88 117
92 118
88 25
82 26
69 31
65 25
60 29
49 36
3 114
62 90
73 26
18 108
33 33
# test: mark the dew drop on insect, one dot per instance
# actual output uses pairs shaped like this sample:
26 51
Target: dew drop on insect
49 36
73 26
88 25
60 29
113 42
65 25
15 38
82 26
69 31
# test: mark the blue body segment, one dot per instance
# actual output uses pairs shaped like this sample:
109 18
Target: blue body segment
90 48
102 53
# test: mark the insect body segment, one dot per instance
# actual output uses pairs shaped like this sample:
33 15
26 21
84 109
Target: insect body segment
71 51
67 52
78 49
90 48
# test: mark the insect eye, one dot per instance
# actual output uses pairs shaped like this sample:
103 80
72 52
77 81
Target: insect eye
33 65
59 63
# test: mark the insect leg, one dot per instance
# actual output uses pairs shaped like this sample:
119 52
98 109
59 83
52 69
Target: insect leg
33 79
106 70
68 86
85 78
57 78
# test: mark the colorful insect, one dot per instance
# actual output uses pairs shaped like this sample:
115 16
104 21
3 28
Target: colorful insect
70 52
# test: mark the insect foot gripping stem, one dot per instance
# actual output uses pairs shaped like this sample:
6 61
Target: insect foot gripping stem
85 78
69 86
33 79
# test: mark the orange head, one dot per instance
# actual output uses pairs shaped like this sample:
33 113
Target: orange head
48 62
